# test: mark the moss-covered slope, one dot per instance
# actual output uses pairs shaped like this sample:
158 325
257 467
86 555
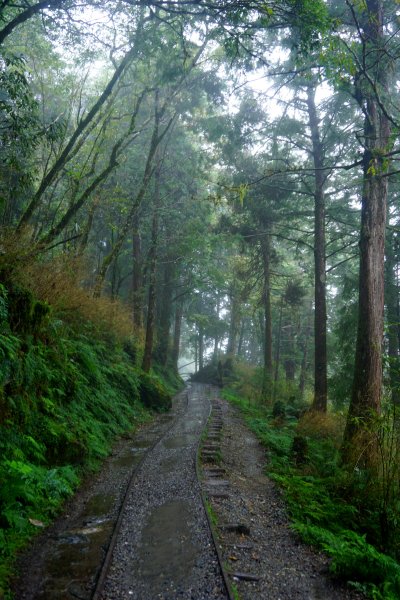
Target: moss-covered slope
67 389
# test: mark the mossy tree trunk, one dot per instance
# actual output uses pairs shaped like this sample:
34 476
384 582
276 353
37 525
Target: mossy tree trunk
265 241
137 275
177 332
151 303
320 347
365 405
166 306
392 312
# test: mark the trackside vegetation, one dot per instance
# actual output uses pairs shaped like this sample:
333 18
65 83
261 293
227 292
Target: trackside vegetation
351 518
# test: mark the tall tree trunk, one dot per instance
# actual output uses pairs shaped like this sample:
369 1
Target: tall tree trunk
392 302
201 346
254 343
289 364
234 323
260 332
241 337
151 304
137 275
320 350
215 350
166 312
303 368
367 385
115 280
278 348
216 337
83 242
177 333
266 260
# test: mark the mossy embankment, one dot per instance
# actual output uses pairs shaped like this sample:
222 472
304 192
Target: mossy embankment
69 385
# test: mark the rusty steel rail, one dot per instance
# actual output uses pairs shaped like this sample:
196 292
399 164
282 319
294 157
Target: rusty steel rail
228 587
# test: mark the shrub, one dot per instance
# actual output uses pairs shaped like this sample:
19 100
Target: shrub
322 426
278 409
153 393
356 560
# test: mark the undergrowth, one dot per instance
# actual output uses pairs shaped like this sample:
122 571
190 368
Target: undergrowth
69 384
330 508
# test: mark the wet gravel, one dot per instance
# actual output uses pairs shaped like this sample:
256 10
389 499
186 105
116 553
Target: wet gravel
164 548
264 547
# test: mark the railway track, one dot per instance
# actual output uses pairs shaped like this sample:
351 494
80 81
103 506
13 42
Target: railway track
163 546
156 540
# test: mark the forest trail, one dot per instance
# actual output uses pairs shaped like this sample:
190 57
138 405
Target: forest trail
164 547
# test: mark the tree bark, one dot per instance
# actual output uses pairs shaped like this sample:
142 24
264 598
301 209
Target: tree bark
88 227
115 280
151 304
177 333
241 338
201 346
278 348
266 260
216 337
359 438
166 312
137 276
303 368
320 348
234 322
392 306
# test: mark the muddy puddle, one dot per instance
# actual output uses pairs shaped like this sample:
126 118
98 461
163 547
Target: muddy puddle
179 441
98 505
132 457
167 554
77 553
169 464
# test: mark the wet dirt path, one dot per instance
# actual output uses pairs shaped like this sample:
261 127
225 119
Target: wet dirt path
158 546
